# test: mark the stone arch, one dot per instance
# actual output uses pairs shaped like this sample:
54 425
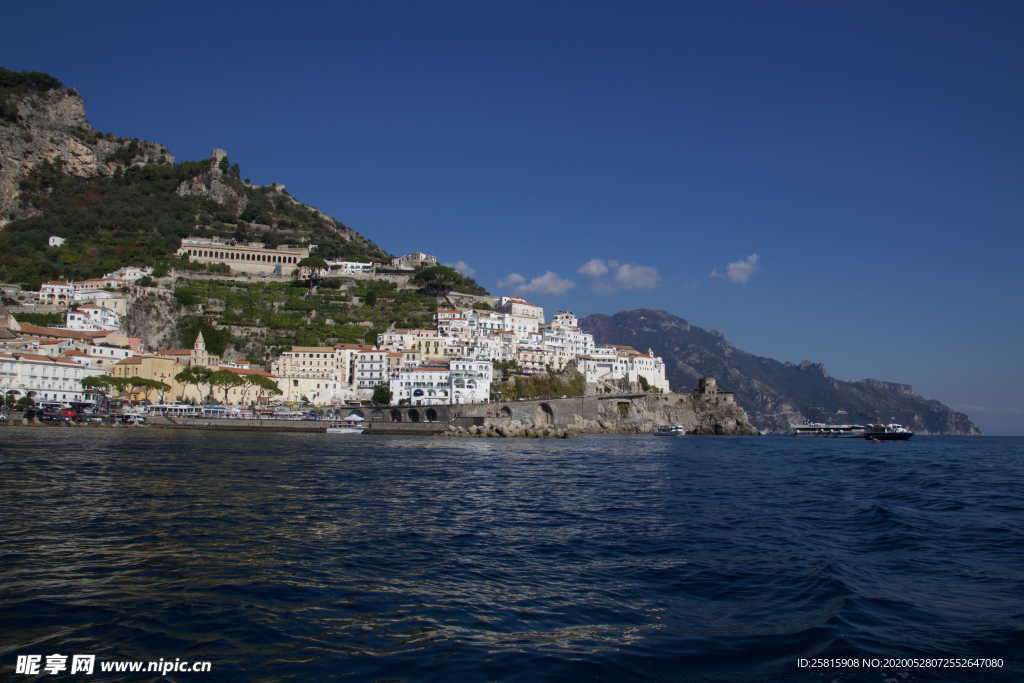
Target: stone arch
396 415
414 415
506 411
356 412
545 414
377 414
431 415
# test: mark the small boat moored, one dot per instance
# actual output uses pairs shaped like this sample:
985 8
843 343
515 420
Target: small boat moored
669 430
353 424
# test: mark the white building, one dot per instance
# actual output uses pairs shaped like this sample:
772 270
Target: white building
114 301
426 385
371 370
318 374
42 378
92 318
56 292
413 261
470 380
351 268
612 363
130 273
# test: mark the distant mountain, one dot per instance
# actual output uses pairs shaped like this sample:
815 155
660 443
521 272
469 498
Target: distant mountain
773 393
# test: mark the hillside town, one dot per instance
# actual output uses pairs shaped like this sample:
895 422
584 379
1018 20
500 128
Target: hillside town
453 363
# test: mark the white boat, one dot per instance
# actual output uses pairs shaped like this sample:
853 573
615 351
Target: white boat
829 430
669 430
353 424
344 429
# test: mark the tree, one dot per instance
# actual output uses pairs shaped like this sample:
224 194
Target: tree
155 385
264 386
316 267
98 383
439 280
226 379
381 395
195 375
136 384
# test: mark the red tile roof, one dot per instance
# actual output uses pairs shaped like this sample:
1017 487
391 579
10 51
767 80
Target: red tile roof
240 371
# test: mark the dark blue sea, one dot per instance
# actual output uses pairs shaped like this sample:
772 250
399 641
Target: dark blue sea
310 557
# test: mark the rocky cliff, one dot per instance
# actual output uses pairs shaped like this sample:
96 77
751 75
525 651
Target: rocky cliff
774 394
48 124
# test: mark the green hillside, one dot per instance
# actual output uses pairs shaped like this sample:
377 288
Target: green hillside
261 319
137 217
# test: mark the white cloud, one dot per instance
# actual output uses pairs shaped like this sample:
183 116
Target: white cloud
595 267
622 275
463 268
548 283
511 280
740 271
633 276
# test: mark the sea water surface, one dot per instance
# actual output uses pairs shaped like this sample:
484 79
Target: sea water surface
307 557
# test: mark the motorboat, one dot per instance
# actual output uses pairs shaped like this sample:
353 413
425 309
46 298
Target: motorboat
353 424
669 430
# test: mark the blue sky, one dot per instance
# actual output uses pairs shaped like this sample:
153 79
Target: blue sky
839 184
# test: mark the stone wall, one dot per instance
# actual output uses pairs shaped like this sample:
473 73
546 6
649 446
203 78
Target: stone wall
604 414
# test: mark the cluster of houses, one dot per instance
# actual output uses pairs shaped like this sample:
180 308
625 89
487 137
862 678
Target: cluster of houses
94 305
453 363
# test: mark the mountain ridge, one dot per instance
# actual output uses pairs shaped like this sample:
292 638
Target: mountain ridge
775 394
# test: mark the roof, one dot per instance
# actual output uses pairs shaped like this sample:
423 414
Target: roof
241 371
40 331
174 352
36 358
312 349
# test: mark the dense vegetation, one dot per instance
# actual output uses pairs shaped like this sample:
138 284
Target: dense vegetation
439 280
137 217
568 382
44 319
340 310
134 217
14 84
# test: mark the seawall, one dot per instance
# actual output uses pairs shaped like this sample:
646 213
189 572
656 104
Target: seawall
633 413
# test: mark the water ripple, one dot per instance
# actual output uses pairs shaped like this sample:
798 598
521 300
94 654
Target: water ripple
305 557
